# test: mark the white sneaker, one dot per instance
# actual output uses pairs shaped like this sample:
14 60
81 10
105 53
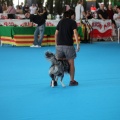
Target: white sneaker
35 46
32 46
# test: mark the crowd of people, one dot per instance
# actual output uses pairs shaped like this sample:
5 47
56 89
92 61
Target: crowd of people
21 9
103 13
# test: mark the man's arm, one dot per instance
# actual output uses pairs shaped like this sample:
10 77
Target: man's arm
83 12
76 38
56 34
101 17
31 24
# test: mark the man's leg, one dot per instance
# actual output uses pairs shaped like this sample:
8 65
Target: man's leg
41 33
72 69
72 73
36 36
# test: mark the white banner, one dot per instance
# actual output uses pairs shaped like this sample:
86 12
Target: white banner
100 25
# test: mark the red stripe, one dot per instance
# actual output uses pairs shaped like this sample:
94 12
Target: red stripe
51 41
51 37
3 39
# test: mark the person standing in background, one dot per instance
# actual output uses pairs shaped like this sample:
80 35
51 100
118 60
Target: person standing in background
33 9
4 7
103 15
110 16
79 11
43 11
39 31
11 11
118 13
1 10
110 12
67 7
19 10
25 8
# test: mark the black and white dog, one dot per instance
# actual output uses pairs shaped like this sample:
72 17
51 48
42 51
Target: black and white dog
57 69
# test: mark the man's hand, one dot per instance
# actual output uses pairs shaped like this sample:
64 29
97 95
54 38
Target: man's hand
77 48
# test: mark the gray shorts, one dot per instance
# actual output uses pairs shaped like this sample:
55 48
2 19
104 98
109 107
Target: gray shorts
67 52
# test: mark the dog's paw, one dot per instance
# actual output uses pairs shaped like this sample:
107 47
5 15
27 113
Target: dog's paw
52 83
63 85
52 86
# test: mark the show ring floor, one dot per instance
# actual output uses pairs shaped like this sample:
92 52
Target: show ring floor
25 92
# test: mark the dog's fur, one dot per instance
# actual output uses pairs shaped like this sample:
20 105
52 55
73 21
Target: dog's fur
58 68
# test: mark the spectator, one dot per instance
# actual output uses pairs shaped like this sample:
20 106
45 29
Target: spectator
26 8
93 9
118 14
33 9
115 9
102 13
22 6
110 12
19 10
88 15
43 12
67 7
4 7
110 16
79 11
11 11
1 10
40 21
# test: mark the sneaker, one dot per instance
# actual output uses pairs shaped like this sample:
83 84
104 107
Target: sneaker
55 83
32 46
35 46
73 83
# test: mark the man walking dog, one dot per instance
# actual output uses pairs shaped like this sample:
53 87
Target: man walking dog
65 30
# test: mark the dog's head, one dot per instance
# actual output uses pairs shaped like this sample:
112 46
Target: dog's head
50 56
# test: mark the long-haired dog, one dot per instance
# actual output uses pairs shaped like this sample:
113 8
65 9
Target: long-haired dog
57 69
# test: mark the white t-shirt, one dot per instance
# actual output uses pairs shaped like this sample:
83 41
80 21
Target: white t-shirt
33 10
78 11
117 21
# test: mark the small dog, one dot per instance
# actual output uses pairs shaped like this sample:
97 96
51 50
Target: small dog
57 69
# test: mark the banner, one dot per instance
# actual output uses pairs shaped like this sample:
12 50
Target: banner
100 28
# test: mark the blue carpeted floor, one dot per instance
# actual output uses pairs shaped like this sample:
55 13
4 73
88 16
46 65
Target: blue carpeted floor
25 92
